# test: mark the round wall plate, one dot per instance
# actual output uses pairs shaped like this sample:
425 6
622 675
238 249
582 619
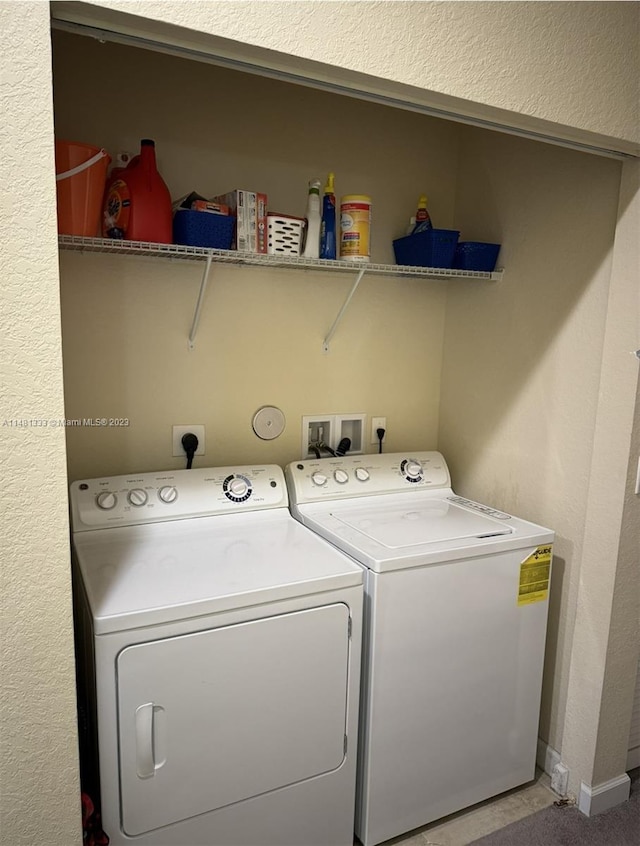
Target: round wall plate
268 422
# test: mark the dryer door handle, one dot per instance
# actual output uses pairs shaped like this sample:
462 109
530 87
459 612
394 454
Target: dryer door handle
145 764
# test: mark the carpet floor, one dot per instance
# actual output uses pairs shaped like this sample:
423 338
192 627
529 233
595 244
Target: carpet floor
566 826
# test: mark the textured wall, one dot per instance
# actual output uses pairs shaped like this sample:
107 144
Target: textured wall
583 73
522 358
38 762
605 644
574 64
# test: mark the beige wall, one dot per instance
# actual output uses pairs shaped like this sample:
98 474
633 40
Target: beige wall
620 672
522 358
38 761
605 643
563 68
125 322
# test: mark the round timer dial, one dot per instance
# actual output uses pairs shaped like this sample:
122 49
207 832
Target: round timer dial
237 488
412 470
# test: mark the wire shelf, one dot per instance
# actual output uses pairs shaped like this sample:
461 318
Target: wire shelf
178 251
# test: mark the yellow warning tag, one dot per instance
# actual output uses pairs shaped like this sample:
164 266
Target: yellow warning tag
534 576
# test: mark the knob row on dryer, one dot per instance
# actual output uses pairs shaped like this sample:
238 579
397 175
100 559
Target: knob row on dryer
106 500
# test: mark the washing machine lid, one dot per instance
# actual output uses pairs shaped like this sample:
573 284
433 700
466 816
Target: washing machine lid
402 525
145 575
395 531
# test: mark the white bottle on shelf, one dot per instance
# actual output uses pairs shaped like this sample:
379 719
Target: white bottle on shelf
314 218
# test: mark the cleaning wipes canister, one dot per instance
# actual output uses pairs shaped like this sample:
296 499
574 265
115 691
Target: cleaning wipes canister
355 226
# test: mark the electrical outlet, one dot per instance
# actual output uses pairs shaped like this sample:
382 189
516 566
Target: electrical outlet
196 429
378 423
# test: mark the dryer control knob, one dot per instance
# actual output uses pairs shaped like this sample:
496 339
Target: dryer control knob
238 487
106 500
168 494
318 479
341 476
413 469
137 497
362 475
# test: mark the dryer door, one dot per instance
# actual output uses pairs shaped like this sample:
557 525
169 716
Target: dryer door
215 717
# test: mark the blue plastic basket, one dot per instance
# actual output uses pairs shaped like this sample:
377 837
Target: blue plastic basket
203 229
432 248
474 255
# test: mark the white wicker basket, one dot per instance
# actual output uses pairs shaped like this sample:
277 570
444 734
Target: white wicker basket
284 234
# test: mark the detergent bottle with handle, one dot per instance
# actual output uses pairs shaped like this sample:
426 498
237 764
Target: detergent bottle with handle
137 203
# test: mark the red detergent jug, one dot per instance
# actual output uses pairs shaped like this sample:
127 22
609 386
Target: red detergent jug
137 203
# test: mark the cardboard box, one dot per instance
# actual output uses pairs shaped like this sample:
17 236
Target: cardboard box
250 211
262 235
208 206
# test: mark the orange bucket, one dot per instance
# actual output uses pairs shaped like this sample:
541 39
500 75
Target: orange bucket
81 175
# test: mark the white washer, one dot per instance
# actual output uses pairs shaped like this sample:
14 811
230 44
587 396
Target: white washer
219 660
456 598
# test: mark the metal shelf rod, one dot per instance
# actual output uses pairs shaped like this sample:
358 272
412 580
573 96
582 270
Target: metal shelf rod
345 305
196 314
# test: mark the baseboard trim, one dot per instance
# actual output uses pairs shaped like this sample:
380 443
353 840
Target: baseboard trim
546 757
633 758
608 794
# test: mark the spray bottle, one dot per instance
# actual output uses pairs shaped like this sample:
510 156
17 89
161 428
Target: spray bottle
312 240
328 225
423 220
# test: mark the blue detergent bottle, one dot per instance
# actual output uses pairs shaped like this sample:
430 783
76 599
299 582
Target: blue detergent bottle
328 224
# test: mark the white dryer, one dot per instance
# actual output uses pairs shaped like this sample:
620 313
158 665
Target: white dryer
456 598
219 661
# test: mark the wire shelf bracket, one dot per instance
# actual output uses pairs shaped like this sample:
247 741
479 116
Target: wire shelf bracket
196 315
340 314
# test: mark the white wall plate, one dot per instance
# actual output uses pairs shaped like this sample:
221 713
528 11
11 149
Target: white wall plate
268 422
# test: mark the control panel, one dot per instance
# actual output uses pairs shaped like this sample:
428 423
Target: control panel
477 506
364 475
175 495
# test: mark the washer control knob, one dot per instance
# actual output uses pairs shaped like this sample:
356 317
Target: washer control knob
341 476
106 500
318 478
137 497
413 469
238 487
362 475
168 494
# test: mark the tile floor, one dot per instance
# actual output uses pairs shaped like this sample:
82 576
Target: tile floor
466 826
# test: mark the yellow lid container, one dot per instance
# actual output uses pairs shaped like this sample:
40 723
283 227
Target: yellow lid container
355 227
